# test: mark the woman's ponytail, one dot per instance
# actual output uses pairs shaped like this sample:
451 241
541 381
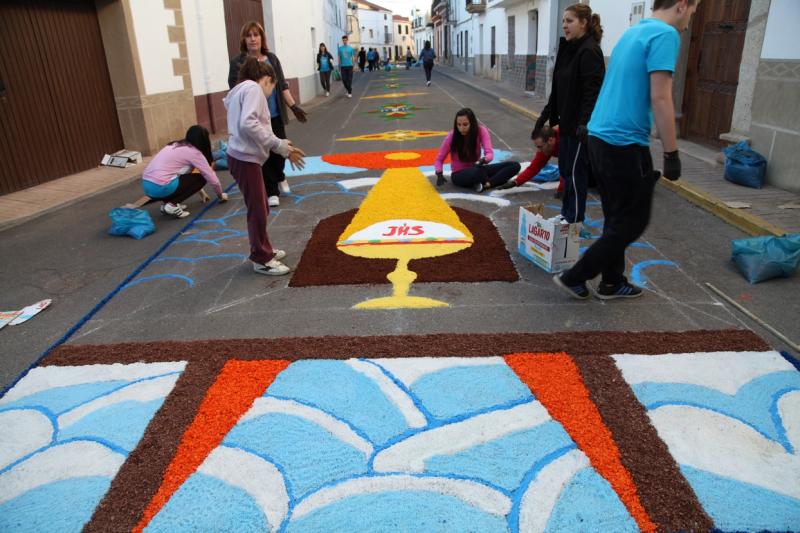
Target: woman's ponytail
595 29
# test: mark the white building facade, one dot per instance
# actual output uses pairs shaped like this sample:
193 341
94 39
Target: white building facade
403 38
375 25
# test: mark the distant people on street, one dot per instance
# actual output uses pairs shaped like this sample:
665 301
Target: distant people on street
362 59
251 143
638 86
325 66
253 43
169 177
470 168
385 58
546 141
409 57
427 56
346 56
577 77
371 59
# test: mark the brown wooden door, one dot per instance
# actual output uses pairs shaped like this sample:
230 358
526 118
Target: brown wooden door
712 74
57 111
237 13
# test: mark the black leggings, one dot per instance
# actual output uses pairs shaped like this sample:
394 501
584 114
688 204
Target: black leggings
495 174
272 169
188 184
428 66
325 80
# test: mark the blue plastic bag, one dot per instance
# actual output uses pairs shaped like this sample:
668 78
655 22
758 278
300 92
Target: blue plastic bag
135 223
744 166
763 258
548 173
221 156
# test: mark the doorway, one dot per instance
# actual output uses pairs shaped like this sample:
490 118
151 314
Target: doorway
712 72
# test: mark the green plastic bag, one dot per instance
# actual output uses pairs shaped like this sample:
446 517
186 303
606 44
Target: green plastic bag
337 76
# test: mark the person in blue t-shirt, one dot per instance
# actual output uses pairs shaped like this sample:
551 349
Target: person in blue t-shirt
325 66
637 88
346 56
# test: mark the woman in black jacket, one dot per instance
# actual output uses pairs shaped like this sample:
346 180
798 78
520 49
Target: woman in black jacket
325 66
577 77
253 42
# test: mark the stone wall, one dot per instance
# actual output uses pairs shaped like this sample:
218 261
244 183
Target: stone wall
775 126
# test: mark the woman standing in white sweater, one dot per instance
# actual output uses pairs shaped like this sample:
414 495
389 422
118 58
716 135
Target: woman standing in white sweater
251 141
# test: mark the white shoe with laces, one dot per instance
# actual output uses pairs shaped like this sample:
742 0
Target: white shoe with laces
271 268
283 186
175 210
274 201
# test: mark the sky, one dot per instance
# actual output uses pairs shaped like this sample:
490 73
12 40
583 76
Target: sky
404 7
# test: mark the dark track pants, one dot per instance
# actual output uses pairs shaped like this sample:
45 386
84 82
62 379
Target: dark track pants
626 181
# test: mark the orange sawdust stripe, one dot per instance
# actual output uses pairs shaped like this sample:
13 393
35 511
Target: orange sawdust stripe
239 383
556 382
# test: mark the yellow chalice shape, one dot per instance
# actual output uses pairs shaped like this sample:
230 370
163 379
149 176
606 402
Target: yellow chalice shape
403 218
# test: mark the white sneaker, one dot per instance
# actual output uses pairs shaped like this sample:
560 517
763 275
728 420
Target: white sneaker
175 210
428 83
478 187
272 268
283 186
279 254
349 95
274 201
327 93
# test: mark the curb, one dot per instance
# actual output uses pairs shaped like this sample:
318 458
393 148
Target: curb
750 224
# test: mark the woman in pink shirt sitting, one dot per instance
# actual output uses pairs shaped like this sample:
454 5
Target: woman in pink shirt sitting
169 178
468 168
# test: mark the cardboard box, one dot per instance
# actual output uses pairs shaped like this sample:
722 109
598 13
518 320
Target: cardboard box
554 246
113 161
131 155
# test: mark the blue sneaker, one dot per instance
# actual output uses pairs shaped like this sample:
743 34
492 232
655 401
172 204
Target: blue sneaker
579 292
620 290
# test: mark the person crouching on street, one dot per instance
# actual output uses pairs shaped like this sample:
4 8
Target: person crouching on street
546 140
470 169
169 177
250 144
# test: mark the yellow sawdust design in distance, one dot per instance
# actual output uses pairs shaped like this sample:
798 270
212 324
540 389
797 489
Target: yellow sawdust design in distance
403 195
396 135
403 156
392 95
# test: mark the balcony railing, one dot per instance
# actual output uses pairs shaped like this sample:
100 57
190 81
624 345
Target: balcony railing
476 6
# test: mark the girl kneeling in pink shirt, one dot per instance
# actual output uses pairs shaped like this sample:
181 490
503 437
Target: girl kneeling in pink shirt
169 177
464 145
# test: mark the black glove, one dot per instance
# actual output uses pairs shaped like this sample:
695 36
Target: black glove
510 184
672 165
440 179
582 133
540 122
299 113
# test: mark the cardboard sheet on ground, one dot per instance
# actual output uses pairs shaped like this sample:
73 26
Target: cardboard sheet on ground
13 318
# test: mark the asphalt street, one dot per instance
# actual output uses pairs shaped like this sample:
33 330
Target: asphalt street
201 286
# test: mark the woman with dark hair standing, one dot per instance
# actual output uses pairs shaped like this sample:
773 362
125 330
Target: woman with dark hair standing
468 167
427 56
169 177
577 78
325 66
250 143
253 43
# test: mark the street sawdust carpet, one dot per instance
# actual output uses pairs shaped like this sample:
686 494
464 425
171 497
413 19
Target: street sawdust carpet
573 431
323 264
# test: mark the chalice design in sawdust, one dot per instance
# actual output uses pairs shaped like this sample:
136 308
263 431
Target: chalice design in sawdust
402 218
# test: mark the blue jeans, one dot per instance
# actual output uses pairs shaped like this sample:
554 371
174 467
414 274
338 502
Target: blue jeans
573 155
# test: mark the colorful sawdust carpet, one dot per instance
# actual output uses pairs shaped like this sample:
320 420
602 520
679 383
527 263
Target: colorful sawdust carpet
396 111
498 432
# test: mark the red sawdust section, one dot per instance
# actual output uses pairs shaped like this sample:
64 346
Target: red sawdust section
557 384
324 264
238 385
378 161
